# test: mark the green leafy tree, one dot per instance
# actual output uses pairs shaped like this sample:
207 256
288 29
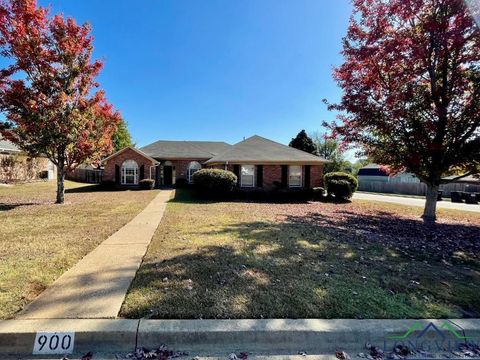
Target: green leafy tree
303 142
330 149
121 138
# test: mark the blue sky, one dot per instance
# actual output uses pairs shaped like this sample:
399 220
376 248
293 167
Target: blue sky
216 70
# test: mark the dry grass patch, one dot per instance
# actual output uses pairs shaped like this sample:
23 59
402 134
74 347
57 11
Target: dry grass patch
40 240
311 260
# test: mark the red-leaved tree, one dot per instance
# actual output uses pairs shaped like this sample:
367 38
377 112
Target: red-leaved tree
49 93
411 88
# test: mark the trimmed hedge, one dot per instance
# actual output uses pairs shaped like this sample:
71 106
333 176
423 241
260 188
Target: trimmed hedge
342 189
214 181
147 184
340 184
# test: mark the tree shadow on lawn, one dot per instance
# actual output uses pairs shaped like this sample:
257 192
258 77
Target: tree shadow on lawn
85 189
314 266
12 206
410 235
100 188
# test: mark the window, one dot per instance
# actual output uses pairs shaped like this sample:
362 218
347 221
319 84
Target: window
192 168
247 175
295 176
129 173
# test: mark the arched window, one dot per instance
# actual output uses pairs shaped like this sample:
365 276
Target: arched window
192 168
129 172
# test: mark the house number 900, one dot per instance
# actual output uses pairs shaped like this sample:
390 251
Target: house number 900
53 343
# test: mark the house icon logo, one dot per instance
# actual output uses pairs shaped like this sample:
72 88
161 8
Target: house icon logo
432 338
431 331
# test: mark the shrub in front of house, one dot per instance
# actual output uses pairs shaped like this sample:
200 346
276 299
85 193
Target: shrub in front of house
215 182
340 184
147 184
341 189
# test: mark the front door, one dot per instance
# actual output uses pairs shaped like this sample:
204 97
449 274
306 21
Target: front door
167 175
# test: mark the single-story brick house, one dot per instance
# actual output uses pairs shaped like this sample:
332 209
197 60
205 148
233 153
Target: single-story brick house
257 162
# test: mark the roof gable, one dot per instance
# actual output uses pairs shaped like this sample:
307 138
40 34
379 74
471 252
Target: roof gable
261 150
132 149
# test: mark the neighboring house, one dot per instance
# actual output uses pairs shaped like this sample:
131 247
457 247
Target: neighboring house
257 162
372 178
16 166
374 173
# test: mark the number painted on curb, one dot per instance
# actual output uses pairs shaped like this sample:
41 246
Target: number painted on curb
53 343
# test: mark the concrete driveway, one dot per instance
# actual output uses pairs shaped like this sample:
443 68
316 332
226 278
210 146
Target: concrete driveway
412 201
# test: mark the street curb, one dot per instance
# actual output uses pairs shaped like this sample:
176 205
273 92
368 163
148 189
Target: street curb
210 337
284 336
17 336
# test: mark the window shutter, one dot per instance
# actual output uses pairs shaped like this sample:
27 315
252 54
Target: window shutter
284 176
117 174
307 176
236 171
259 175
142 172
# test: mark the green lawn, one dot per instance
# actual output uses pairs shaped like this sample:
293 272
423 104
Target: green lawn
40 240
307 260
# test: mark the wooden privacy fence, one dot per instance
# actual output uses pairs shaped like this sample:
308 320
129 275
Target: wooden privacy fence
413 188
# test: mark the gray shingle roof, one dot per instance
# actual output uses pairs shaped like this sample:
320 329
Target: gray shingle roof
8 146
371 166
257 149
164 149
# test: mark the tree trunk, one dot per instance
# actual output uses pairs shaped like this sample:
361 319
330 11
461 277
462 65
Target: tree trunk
429 212
60 182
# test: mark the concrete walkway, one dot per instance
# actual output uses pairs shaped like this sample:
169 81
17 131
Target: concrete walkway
410 201
96 286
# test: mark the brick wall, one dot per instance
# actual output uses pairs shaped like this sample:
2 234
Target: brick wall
129 154
273 173
181 167
316 175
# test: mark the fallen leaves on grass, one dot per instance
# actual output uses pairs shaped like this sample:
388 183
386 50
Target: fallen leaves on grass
398 227
321 260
